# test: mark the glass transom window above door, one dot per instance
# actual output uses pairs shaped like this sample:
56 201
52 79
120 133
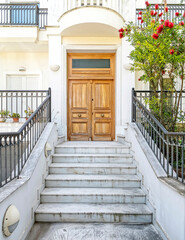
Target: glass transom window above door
89 64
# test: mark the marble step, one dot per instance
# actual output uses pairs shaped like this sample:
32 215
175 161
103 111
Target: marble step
92 195
93 181
92 168
62 148
92 158
99 213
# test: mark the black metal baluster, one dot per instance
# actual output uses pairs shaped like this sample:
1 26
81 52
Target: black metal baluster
1 159
182 164
6 160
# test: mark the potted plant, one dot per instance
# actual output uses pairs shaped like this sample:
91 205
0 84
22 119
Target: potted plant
28 112
3 115
15 117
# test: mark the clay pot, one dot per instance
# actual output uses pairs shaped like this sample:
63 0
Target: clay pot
16 119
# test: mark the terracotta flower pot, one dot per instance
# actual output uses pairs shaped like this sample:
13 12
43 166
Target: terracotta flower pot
2 120
16 119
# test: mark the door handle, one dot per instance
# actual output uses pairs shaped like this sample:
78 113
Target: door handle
102 115
79 115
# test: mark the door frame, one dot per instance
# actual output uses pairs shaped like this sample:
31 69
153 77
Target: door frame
109 76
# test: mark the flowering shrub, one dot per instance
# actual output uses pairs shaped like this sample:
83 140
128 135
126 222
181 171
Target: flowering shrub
159 52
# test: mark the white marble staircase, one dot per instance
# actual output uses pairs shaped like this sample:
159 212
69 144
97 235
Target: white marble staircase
93 182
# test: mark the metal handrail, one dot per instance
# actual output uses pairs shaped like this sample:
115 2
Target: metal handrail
16 147
168 147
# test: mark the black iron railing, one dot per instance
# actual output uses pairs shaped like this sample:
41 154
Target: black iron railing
172 9
20 101
23 14
16 147
168 147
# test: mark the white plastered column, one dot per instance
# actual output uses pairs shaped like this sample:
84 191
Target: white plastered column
55 79
128 82
125 81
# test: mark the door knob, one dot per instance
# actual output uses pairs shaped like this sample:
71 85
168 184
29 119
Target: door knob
102 115
79 115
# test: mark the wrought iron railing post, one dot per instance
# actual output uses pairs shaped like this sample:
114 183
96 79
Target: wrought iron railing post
49 92
133 106
37 15
182 160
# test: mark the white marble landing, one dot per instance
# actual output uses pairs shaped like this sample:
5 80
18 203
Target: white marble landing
60 231
10 127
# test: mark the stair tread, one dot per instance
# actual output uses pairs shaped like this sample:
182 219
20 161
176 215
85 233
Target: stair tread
92 177
92 165
93 208
92 155
94 144
92 191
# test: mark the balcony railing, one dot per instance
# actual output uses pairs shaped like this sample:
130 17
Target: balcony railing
172 9
168 147
116 5
16 147
23 14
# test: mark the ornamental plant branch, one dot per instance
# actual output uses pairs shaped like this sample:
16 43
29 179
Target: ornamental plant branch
159 51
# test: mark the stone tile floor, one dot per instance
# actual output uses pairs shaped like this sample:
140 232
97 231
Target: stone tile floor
61 231
10 127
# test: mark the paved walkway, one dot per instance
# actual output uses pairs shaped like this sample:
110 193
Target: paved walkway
59 231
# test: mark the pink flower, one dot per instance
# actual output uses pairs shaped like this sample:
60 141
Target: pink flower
170 25
157 6
142 21
140 13
121 30
166 9
160 28
121 35
172 51
155 36
139 18
181 23
160 14
166 23
152 13
177 14
147 3
162 20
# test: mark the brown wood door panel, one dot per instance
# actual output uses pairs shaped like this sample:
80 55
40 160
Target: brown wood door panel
102 109
79 113
91 113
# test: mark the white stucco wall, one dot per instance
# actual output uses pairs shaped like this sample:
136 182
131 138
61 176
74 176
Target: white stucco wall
24 192
167 197
34 62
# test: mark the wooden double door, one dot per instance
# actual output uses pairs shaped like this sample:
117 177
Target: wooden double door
91 108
